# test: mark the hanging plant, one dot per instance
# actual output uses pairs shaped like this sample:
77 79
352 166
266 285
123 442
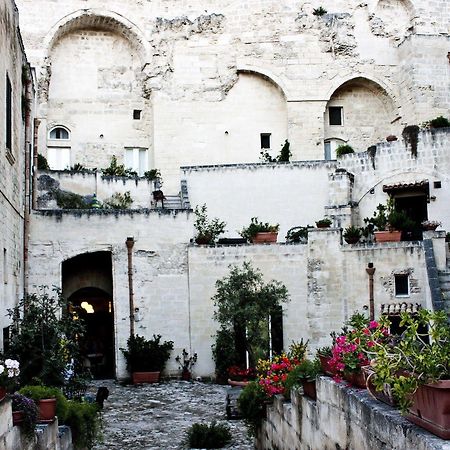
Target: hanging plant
411 136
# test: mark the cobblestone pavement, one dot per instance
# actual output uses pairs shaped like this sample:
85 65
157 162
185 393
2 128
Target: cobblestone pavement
156 416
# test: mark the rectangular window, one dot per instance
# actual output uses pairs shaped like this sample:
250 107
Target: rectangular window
137 114
8 114
6 338
401 285
335 115
265 140
58 158
137 159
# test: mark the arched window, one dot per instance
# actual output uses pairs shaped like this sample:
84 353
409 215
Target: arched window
58 148
58 133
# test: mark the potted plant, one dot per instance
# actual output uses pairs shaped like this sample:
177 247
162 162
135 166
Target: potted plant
9 372
344 150
323 223
324 355
207 230
417 369
430 225
239 376
25 413
304 375
186 363
258 232
49 400
298 235
387 224
352 235
146 358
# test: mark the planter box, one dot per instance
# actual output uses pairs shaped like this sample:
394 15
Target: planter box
47 410
269 238
356 379
431 408
145 377
388 236
385 395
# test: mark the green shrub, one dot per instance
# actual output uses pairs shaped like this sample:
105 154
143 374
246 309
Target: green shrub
40 392
202 435
85 423
319 11
440 122
42 163
225 353
117 170
118 201
257 227
152 174
298 234
344 150
146 355
306 371
70 200
252 405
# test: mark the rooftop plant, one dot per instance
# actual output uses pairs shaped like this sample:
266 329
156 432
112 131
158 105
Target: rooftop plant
284 155
298 234
257 227
118 170
119 200
344 150
207 229
319 11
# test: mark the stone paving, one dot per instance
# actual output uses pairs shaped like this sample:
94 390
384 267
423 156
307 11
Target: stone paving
156 416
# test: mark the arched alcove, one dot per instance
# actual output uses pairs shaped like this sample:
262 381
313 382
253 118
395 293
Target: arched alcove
359 112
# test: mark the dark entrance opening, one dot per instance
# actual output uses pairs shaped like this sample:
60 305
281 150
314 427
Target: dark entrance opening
415 207
87 283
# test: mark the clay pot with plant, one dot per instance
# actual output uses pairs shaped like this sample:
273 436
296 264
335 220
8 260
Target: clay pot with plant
260 232
324 223
352 235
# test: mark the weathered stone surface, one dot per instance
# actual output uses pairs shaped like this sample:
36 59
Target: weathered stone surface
156 416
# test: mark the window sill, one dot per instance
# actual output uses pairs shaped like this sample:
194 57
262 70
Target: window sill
10 156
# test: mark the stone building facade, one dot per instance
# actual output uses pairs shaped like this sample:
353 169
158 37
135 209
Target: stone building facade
171 84
16 120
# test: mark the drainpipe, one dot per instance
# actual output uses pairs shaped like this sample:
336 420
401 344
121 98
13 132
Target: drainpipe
27 205
130 243
370 271
35 163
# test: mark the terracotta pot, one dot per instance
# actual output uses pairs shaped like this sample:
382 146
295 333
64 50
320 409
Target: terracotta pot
18 417
309 389
385 395
388 236
352 239
145 377
47 410
2 393
431 408
356 379
237 383
324 364
265 237
186 375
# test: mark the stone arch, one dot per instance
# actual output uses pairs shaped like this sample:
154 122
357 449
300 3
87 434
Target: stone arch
363 111
267 75
102 20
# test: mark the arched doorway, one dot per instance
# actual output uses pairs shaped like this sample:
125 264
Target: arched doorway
87 283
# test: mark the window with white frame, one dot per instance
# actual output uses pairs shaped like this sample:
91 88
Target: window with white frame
58 148
136 158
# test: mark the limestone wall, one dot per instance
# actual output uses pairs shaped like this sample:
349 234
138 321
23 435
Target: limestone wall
12 160
193 72
341 417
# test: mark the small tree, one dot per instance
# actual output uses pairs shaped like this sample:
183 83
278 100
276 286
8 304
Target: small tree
45 337
244 304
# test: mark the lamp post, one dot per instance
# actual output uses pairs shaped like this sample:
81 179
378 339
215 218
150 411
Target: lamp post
370 271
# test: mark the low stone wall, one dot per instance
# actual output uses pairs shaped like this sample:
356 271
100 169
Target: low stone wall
47 437
340 418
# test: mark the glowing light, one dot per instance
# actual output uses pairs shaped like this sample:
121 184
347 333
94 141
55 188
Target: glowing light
87 307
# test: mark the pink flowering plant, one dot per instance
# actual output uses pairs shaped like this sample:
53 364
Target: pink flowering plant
357 344
9 372
272 374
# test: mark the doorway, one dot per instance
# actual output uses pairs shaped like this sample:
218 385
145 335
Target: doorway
415 207
87 284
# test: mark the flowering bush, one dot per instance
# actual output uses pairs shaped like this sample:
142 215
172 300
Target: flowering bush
30 412
354 348
273 378
9 371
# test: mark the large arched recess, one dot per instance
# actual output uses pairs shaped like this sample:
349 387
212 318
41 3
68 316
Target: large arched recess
368 113
87 282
